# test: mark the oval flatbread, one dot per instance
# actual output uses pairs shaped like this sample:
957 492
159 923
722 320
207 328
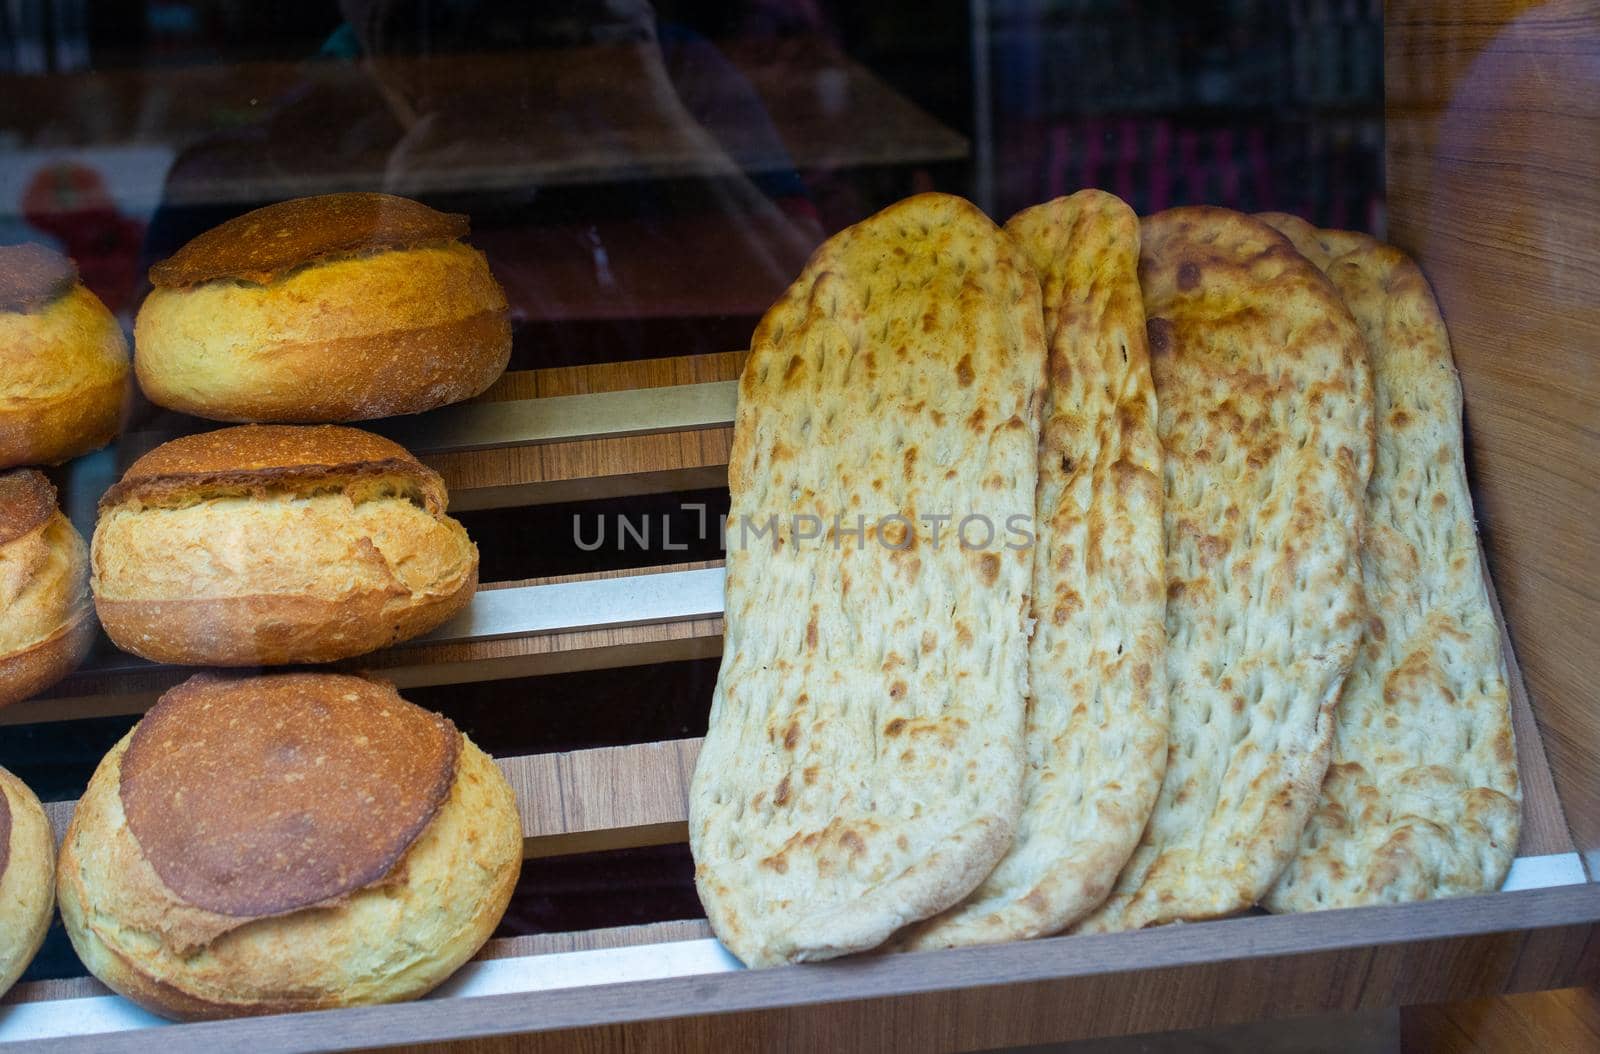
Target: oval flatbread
1422 798
1096 733
863 765
1266 424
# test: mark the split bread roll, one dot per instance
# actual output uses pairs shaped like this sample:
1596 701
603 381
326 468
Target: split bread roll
46 621
1422 798
1097 717
1266 424
344 307
863 763
283 843
27 878
271 544
63 361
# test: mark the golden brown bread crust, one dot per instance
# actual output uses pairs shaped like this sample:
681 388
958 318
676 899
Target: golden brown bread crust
263 244
341 308
27 877
864 680
25 674
358 378
32 275
1096 729
46 629
395 937
256 457
63 375
1422 798
27 500
49 433
272 630
1265 415
356 773
282 576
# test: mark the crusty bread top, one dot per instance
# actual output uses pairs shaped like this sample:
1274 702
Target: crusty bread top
254 457
1265 418
5 828
263 244
862 764
32 275
27 501
262 795
1097 720
1422 798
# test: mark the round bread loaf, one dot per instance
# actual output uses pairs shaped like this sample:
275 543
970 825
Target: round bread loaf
63 361
27 877
344 307
289 842
268 544
45 622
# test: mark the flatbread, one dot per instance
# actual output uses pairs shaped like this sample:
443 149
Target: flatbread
1096 733
863 766
1422 798
1266 423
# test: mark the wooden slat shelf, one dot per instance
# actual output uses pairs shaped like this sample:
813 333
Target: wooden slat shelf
668 985
130 686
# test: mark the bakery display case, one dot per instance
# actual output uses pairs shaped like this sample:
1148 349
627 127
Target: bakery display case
457 345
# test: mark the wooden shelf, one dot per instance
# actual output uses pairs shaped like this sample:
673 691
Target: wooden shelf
1521 328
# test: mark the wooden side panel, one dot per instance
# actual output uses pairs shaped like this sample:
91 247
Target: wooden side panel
1561 1022
1493 111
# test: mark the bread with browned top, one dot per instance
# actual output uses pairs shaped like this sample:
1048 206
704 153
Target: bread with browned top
46 624
27 877
1422 797
344 307
271 544
63 361
1265 419
862 767
292 842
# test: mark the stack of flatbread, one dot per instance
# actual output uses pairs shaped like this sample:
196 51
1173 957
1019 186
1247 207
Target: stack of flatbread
1063 559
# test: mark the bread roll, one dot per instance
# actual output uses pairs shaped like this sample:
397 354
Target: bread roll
344 307
293 842
45 622
63 361
271 544
27 878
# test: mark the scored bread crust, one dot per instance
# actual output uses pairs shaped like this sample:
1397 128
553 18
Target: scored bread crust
268 587
63 377
862 767
1422 798
27 878
1097 716
1266 423
384 940
386 331
265 243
